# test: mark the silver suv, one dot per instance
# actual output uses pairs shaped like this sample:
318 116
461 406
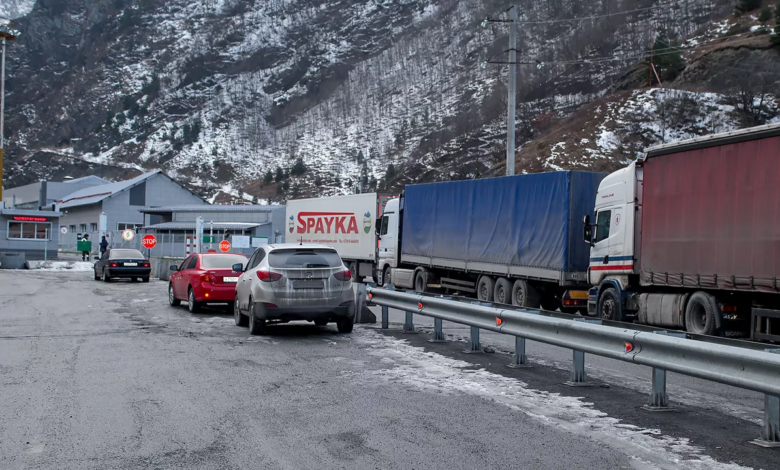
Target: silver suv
289 282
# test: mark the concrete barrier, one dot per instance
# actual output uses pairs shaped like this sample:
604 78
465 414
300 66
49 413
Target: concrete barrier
161 267
12 260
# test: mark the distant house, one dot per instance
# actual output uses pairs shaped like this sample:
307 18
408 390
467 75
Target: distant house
45 193
121 203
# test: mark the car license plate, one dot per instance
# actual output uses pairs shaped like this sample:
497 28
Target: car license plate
229 279
308 284
131 264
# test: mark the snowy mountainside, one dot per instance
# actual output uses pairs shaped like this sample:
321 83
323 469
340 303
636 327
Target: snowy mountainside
12 9
219 93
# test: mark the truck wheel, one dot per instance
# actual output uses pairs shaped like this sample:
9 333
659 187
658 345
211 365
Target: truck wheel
421 281
609 305
700 314
524 295
550 303
502 293
485 288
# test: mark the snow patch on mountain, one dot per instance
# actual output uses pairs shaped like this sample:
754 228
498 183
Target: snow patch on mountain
13 9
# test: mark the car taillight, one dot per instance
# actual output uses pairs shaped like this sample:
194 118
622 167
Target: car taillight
206 278
345 275
268 276
113 265
145 265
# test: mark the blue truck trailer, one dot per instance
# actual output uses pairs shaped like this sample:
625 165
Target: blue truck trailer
513 240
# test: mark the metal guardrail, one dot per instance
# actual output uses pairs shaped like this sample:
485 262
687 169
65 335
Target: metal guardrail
662 351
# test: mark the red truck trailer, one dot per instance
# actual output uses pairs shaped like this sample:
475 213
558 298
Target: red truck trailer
689 236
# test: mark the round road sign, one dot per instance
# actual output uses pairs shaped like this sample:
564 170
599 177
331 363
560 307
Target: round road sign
128 235
224 245
63 230
149 241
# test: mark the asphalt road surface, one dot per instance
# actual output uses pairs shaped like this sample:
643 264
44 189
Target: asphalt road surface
104 376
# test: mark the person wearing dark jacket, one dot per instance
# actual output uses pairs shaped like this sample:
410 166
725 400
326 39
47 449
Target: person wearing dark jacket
103 245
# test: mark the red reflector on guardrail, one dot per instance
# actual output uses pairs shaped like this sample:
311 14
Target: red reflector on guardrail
498 322
629 347
370 296
420 306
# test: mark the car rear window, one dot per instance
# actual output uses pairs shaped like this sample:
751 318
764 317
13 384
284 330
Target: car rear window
126 254
304 258
221 261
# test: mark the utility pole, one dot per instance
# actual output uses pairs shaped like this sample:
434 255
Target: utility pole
7 33
511 112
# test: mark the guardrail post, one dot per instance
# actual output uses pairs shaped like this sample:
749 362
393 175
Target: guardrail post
519 359
474 346
438 332
409 323
578 377
385 317
770 432
659 400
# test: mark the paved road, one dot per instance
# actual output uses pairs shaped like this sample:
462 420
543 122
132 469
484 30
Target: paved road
97 375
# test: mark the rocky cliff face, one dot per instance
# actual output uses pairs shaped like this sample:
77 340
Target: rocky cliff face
278 99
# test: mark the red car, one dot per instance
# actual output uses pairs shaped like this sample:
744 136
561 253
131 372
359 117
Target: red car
205 278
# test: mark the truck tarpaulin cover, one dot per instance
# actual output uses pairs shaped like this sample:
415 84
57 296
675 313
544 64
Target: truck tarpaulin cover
711 217
529 220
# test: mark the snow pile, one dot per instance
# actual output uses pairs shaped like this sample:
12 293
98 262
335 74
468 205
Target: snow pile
62 265
432 372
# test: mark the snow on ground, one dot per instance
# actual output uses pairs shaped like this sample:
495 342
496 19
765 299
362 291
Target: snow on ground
414 367
63 266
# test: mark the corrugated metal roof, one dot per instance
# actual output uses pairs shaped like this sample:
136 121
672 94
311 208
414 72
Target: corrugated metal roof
88 179
95 194
211 208
216 226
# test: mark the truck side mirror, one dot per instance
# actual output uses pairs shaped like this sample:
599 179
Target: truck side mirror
587 230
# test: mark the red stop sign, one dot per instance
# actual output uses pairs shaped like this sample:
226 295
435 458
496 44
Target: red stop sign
224 245
149 241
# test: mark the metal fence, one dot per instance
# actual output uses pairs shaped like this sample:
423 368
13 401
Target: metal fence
662 351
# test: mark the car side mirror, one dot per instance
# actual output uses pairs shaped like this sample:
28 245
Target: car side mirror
238 268
587 230
174 267
97 258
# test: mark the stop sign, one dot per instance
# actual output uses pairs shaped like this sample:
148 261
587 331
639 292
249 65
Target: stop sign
224 245
149 241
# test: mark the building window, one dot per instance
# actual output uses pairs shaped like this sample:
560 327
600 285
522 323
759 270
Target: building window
83 228
122 226
29 230
72 229
93 227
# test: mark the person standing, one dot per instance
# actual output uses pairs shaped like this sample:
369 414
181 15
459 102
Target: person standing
103 245
86 247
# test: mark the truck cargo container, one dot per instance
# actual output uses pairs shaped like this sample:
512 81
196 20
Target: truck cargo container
688 236
513 240
346 223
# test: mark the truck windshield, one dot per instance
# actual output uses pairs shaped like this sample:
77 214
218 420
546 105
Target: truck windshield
304 258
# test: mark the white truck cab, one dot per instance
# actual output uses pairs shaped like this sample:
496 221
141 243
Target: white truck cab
387 256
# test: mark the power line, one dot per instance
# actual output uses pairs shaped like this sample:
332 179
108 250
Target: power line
595 17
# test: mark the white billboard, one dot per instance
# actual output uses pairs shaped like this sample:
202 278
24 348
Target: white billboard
344 222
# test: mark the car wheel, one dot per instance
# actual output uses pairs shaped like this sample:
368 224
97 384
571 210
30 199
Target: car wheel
240 318
347 324
192 304
133 279
700 314
485 288
145 279
106 277
97 278
321 322
257 326
609 306
172 297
